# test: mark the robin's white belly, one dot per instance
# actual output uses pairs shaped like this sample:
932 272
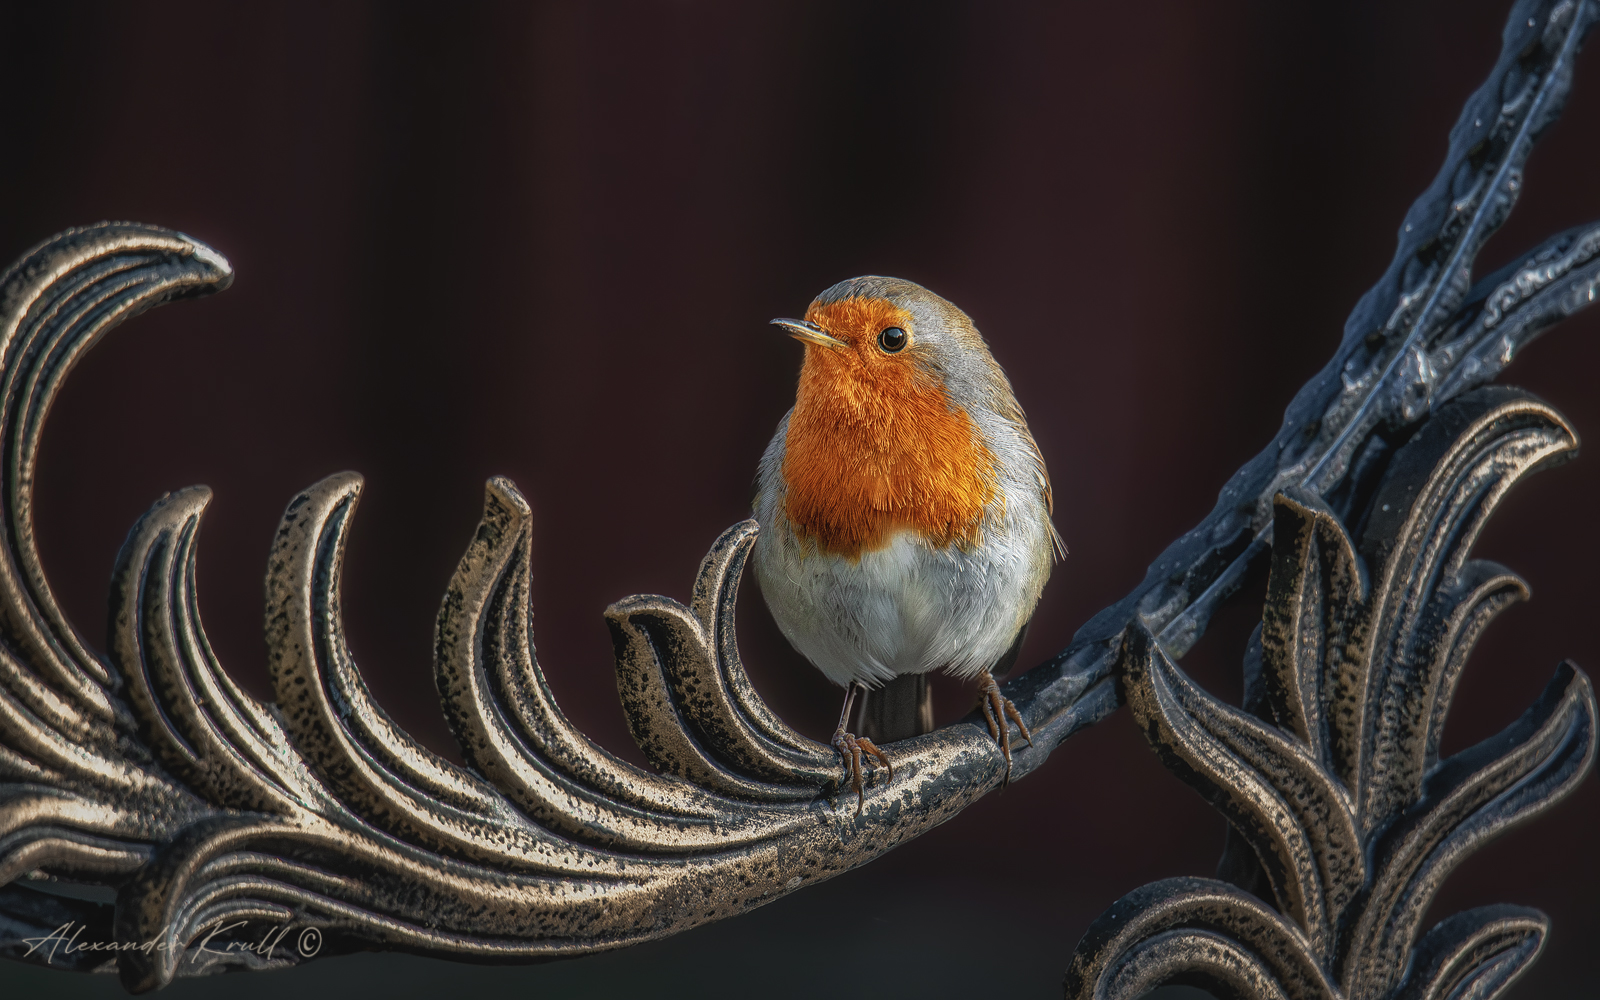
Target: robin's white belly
905 608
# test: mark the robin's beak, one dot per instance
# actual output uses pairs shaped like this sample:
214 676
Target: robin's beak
809 332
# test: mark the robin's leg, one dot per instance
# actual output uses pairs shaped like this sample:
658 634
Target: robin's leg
852 747
999 713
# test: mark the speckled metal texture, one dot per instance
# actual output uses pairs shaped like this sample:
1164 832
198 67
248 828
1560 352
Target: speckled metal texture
1425 333
1344 820
148 771
186 806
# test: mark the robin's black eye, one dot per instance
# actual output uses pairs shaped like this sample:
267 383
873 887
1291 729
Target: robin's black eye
893 340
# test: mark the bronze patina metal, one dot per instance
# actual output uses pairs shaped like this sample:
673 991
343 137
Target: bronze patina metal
1343 819
145 772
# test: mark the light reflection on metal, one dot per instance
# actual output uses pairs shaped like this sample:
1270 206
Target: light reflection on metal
1344 820
147 773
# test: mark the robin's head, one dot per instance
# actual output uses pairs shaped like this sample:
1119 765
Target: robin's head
885 334
884 433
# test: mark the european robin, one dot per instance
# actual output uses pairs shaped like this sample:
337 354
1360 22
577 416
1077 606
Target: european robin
904 506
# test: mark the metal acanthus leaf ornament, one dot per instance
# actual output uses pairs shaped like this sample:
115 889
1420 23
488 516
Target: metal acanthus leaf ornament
145 774
1345 821
154 772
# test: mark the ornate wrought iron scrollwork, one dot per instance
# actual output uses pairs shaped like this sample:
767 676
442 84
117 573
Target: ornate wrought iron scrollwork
318 807
1343 815
1343 822
1425 333
147 772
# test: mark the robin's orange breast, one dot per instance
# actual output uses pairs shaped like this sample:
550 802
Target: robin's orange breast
874 445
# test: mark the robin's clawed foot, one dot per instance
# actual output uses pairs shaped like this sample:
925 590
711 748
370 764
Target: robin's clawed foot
853 748
999 713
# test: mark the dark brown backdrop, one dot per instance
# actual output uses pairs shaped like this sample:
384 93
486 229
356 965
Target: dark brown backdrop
544 241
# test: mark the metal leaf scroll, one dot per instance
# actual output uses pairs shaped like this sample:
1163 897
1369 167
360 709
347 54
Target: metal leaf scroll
1425 333
1345 821
207 808
200 815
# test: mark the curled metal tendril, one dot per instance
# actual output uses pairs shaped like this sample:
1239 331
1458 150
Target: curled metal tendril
146 771
1344 819
317 807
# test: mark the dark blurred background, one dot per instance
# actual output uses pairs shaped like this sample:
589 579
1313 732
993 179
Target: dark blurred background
544 241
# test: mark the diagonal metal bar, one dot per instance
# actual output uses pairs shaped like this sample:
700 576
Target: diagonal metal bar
1422 335
545 845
